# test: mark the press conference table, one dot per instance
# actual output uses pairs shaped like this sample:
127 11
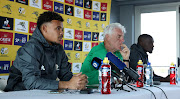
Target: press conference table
172 92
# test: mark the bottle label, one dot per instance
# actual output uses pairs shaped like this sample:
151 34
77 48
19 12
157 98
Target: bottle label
105 71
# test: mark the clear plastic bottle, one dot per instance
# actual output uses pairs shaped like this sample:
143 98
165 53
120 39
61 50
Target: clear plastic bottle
149 75
100 79
176 70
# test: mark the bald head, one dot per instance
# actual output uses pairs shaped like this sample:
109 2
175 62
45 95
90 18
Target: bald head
146 42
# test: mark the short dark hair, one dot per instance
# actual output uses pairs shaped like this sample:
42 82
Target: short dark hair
142 37
48 16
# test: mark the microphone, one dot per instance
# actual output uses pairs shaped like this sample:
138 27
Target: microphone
121 66
96 63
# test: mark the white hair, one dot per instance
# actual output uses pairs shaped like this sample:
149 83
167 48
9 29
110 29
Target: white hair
109 29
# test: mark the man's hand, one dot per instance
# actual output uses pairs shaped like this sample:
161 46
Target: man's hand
77 82
125 52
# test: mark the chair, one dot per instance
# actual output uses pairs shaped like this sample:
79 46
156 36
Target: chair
3 83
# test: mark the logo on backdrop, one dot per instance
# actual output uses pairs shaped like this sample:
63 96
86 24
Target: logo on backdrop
4 52
96 16
78 12
77 56
8 8
69 21
76 67
78 34
87 25
68 33
95 36
103 16
96 5
22 11
21 25
101 36
22 1
86 46
4 66
32 27
87 36
48 5
102 26
6 23
61 0
36 13
59 7
103 6
87 14
35 3
69 10
94 44
96 26
6 38
69 1
77 46
20 39
68 55
11 0
68 45
88 4
79 3
79 24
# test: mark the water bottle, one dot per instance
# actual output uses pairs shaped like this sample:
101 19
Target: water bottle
176 70
106 77
100 79
149 75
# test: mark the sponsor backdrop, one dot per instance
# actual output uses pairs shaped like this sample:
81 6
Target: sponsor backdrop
84 21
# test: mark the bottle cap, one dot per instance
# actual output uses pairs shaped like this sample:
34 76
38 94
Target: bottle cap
148 63
172 64
106 60
140 62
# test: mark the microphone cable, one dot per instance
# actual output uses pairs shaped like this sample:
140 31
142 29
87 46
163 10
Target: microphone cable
145 89
162 91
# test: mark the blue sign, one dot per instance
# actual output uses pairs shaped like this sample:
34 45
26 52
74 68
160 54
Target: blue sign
68 45
20 39
96 16
11 0
103 16
4 66
77 46
87 36
58 7
79 3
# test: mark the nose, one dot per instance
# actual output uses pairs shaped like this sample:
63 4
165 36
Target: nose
122 40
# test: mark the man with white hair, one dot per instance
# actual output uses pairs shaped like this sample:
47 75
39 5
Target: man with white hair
113 42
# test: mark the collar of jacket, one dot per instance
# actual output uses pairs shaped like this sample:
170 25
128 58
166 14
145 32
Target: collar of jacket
139 49
38 35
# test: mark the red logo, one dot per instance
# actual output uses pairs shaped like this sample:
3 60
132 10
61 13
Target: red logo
69 1
103 6
61 42
32 27
48 5
78 35
6 38
94 44
87 14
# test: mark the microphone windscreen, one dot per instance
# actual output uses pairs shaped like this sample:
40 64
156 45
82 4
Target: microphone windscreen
115 60
96 62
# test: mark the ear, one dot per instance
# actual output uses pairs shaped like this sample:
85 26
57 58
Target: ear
44 28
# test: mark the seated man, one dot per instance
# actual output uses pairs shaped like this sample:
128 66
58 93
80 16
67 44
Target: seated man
113 42
139 52
42 60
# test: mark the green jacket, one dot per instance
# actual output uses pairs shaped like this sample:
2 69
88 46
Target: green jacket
100 52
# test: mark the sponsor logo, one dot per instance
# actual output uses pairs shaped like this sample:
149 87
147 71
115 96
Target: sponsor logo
6 38
77 46
58 7
101 36
96 26
69 10
76 67
68 55
68 45
102 26
21 25
11 0
79 24
103 16
32 27
78 35
87 25
22 11
87 14
36 13
48 5
8 7
69 1
78 12
77 56
69 33
95 36
96 5
96 16
79 3
103 6
69 21
4 66
94 44
61 0
87 36
22 1
61 42
4 52
35 3
88 4
86 46
6 23
20 39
